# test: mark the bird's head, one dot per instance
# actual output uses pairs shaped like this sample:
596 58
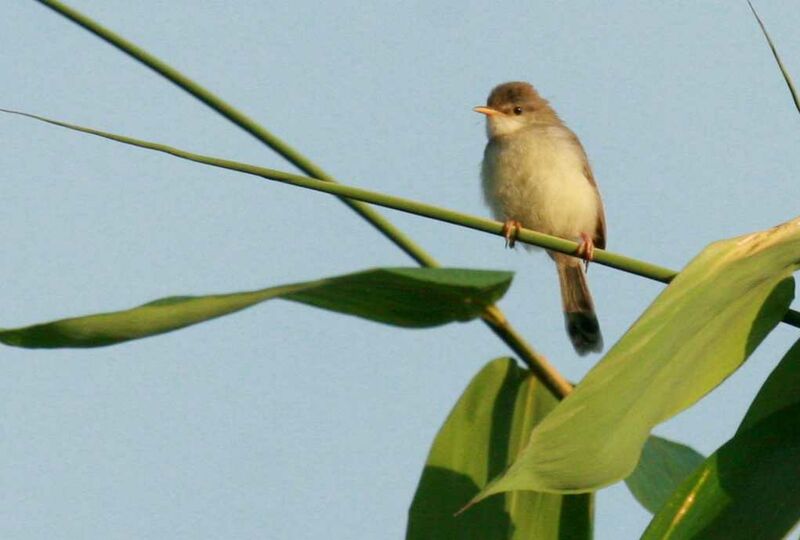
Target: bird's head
514 105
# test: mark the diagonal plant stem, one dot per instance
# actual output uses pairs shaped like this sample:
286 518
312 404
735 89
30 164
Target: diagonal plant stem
536 362
784 71
606 258
528 236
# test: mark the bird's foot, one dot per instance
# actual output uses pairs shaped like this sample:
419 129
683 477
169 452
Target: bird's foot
586 249
510 231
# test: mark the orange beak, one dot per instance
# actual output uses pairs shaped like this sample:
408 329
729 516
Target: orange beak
487 111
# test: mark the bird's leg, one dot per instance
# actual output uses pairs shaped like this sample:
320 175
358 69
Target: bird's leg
511 229
586 249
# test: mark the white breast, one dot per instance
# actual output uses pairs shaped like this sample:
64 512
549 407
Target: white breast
537 176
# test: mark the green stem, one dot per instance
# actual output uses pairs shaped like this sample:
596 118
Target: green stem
784 71
607 258
542 369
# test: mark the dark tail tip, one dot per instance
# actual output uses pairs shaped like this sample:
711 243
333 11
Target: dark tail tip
584 331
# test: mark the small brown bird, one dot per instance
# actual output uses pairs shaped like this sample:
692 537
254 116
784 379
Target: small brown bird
536 175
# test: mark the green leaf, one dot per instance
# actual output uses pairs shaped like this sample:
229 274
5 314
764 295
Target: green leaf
663 466
409 297
747 488
482 435
696 333
780 390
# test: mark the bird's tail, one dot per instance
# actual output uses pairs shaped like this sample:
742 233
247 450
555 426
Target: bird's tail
579 316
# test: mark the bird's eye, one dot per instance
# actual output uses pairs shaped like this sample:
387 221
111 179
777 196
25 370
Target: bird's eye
517 110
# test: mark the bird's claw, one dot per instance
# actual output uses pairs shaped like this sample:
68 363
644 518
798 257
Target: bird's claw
510 231
586 249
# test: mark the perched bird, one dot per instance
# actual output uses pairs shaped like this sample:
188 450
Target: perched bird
536 175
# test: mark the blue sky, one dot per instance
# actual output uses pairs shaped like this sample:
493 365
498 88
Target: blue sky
287 422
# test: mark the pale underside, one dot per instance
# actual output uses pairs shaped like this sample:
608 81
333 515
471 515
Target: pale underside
539 176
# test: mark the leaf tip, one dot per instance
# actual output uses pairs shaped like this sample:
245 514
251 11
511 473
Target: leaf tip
467 506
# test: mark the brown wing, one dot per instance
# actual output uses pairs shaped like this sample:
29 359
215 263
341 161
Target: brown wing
599 237
600 229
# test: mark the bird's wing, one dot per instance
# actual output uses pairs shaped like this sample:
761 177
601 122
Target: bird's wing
599 229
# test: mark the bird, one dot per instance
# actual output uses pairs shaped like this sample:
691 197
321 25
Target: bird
535 174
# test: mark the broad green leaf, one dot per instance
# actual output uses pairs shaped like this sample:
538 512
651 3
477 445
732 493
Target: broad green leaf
663 466
747 488
696 333
409 297
781 389
482 435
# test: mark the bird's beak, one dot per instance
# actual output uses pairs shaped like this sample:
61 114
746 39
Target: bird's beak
487 111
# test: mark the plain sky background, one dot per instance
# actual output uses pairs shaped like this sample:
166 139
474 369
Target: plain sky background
287 422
